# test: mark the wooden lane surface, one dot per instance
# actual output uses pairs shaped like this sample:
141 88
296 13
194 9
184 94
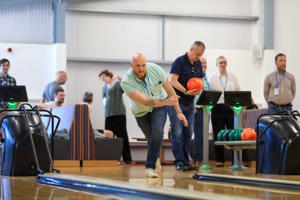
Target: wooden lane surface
28 188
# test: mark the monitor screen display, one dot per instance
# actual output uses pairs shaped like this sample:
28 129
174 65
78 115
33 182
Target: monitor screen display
238 98
209 97
13 93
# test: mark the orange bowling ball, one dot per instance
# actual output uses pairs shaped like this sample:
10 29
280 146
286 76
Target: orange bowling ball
248 134
194 83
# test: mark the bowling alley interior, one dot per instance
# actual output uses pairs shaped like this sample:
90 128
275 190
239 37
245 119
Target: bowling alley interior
161 99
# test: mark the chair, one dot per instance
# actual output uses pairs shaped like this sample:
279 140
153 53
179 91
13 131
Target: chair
74 139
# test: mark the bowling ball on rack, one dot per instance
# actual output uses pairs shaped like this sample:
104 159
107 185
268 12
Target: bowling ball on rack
226 135
220 134
238 134
232 134
248 134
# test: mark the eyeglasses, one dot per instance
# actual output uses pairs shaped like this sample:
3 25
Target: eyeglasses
222 62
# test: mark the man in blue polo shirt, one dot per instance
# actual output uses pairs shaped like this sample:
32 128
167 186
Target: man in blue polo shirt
147 85
184 68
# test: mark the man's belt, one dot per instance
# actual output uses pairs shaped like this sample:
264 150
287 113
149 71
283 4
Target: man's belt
280 105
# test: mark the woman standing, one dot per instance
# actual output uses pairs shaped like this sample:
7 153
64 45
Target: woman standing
115 111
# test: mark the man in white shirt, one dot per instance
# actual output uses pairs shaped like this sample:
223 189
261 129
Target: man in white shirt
222 115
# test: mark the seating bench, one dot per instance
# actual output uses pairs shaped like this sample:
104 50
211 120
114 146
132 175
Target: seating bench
74 139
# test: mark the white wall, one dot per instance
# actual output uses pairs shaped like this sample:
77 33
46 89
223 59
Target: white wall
91 35
34 65
109 30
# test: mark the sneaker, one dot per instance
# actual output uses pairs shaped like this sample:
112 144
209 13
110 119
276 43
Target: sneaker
157 166
151 173
180 168
219 164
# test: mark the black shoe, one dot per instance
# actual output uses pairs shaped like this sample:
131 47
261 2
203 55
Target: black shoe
189 168
180 168
128 161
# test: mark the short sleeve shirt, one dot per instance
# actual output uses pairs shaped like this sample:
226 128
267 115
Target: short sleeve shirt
49 91
186 70
152 87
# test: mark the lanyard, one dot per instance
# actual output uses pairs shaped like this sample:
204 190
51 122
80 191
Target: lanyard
224 85
145 85
279 81
206 83
105 91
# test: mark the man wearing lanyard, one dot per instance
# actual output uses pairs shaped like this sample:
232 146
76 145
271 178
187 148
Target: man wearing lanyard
198 124
279 87
222 115
183 68
150 91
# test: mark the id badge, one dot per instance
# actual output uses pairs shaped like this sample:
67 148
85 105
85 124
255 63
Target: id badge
276 91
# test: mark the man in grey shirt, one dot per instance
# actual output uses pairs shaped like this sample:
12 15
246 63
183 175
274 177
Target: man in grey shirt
279 87
49 92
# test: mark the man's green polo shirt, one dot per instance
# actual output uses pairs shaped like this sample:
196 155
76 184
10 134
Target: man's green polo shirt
152 87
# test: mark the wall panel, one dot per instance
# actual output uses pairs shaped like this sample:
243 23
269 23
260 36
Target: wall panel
221 7
216 34
94 35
